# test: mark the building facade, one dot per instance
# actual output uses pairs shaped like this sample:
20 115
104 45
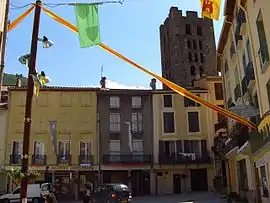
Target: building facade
63 141
186 42
125 134
183 137
243 59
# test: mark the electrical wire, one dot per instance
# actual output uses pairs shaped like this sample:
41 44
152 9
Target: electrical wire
13 7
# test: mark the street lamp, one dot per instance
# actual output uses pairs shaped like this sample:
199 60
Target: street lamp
46 42
30 60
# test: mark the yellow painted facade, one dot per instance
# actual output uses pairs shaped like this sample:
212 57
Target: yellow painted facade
207 119
74 110
254 46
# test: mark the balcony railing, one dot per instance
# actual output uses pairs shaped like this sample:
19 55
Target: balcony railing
184 158
230 145
63 159
126 159
85 159
39 160
237 92
15 159
249 76
258 140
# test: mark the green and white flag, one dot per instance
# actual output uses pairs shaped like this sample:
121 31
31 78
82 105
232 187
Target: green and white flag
88 24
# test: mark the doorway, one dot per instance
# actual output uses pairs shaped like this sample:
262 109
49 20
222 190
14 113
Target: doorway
140 183
198 179
176 183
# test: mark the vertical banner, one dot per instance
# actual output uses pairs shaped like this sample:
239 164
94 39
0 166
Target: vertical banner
130 140
53 134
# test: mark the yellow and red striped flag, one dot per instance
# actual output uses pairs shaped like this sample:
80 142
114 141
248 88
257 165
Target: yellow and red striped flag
210 9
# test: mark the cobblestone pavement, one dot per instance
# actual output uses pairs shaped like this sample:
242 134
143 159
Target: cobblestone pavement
181 198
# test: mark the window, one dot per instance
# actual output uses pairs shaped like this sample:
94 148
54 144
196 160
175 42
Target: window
114 151
218 91
193 122
200 45
137 152
190 103
202 57
199 30
136 102
137 122
192 146
168 122
114 122
17 191
264 183
188 29
232 49
114 102
192 71
188 44
194 44
248 51
16 152
39 153
263 51
169 148
63 152
196 57
167 101
244 63
190 57
85 152
201 71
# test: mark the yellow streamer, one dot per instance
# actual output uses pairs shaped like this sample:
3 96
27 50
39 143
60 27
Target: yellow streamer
12 25
168 83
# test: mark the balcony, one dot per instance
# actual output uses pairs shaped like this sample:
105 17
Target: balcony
15 159
240 19
126 159
220 125
85 160
63 159
229 146
185 158
249 76
39 160
258 140
237 92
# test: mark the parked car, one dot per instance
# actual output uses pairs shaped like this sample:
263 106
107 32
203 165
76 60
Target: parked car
112 193
35 193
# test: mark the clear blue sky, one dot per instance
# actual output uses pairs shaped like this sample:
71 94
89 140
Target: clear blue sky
131 28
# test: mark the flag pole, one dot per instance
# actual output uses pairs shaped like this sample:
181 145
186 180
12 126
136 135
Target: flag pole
28 104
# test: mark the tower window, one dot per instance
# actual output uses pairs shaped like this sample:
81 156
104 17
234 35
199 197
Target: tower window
201 70
202 57
196 57
199 30
194 44
190 57
192 70
188 29
200 45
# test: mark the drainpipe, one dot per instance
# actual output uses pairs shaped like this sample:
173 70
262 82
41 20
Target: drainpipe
3 48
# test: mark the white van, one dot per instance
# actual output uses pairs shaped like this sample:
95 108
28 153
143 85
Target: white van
35 193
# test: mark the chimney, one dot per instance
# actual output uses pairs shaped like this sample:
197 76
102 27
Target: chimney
153 84
103 82
18 82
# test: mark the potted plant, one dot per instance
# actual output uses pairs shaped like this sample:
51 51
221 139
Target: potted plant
17 175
